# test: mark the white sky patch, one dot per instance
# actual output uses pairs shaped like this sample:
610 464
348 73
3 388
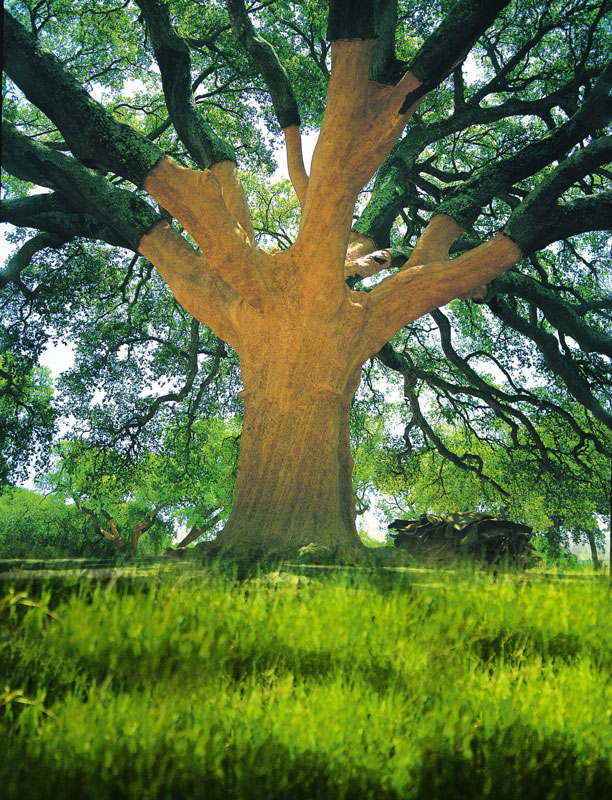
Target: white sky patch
97 92
369 522
57 357
470 68
97 398
132 86
309 142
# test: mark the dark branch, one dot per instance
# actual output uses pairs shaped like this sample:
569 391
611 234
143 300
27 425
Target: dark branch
566 317
121 210
561 364
538 220
384 66
54 215
93 135
561 220
390 358
391 191
197 531
174 60
350 20
466 202
449 44
494 395
268 63
23 257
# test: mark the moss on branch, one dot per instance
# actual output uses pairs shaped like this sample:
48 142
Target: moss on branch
174 60
92 134
56 216
268 64
123 211
453 39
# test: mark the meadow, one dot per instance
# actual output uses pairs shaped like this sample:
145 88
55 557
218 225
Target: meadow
307 683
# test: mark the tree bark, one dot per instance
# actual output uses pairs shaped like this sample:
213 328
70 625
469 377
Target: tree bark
593 546
195 532
294 483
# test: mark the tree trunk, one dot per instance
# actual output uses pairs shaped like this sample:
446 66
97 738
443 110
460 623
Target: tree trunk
593 546
294 483
195 532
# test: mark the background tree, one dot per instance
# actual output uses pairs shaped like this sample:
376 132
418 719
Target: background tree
563 502
33 525
27 416
518 146
187 484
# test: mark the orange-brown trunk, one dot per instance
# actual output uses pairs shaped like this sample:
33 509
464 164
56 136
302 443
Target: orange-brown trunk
294 483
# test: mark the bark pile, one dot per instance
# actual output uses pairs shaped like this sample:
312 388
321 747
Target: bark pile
477 537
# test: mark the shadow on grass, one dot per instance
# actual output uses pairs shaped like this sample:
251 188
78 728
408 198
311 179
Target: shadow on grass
509 764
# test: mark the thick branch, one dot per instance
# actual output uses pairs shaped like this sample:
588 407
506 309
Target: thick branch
206 148
393 189
54 215
114 536
121 210
449 44
144 526
196 286
174 61
22 258
362 122
466 202
277 81
415 290
384 66
93 135
295 163
349 20
435 242
268 64
538 220
561 220
196 199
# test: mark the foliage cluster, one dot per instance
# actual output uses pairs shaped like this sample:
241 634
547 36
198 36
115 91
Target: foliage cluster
35 526
411 685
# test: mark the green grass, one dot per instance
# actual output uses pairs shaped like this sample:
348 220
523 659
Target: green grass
336 684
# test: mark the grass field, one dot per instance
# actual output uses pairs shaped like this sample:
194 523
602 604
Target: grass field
326 684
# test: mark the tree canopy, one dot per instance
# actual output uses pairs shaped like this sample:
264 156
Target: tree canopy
464 156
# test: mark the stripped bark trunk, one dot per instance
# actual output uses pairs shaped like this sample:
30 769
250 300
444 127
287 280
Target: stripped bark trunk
294 483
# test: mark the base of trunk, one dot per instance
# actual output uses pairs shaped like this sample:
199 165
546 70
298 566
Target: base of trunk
252 542
294 484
